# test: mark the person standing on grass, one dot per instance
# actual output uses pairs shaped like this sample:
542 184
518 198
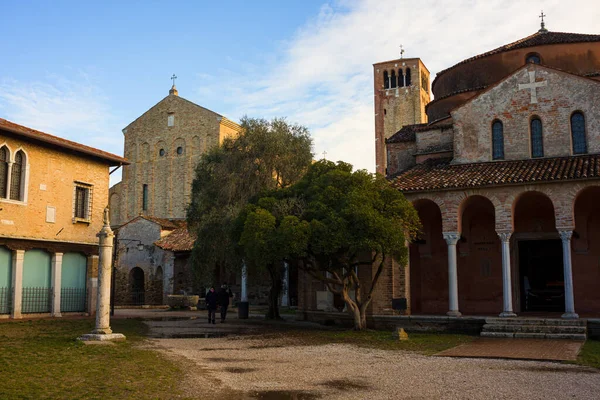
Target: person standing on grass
223 300
211 304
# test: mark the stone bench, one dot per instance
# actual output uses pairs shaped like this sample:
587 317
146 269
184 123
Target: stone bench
177 301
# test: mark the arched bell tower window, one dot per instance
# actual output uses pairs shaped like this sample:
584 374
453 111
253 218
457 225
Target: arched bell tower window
407 79
400 78
533 58
386 80
17 178
4 155
578 133
393 79
497 140
537 138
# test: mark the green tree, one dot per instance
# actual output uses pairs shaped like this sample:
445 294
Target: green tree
340 219
267 155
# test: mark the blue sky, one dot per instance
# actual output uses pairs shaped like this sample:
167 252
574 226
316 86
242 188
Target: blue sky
84 70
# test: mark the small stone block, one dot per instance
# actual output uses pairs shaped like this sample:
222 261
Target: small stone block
112 337
400 334
94 342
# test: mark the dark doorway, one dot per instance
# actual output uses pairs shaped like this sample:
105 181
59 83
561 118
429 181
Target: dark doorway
136 286
541 275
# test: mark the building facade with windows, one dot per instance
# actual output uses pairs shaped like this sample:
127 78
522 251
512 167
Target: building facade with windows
52 196
505 176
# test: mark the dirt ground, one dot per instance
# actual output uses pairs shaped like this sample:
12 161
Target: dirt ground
236 361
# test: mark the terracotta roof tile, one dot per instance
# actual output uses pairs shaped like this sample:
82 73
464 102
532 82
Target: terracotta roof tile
178 240
60 142
167 223
439 174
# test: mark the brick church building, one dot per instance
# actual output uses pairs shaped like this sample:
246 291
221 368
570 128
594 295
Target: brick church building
503 167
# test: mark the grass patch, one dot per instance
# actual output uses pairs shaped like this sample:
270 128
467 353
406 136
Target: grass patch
590 354
41 359
424 343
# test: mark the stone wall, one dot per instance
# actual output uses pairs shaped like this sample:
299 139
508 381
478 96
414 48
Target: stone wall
401 157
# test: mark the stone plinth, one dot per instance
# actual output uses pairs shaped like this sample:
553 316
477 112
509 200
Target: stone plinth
96 337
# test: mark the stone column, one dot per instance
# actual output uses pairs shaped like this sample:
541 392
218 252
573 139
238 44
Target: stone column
507 310
285 296
9 176
56 283
244 288
18 257
452 238
565 236
102 331
92 284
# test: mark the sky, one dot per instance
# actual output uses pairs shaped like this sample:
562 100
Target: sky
85 70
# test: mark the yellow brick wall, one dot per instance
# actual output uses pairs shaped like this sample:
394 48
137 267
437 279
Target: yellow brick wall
52 174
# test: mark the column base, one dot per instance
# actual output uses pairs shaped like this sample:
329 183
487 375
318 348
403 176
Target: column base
113 337
570 315
507 314
453 313
56 315
102 331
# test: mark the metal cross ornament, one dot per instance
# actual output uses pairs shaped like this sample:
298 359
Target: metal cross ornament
542 15
324 155
173 79
401 52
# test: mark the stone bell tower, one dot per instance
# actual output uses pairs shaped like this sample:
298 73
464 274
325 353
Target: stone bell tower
401 90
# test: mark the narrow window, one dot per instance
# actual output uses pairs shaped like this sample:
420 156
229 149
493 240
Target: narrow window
497 140
180 150
17 177
578 133
393 79
83 202
145 197
171 120
3 171
161 152
407 77
386 80
537 140
401 78
424 82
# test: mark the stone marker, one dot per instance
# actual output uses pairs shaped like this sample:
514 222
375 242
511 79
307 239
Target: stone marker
400 334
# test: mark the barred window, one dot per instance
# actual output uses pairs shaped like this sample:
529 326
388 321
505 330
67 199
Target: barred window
497 140
3 171
386 80
537 138
16 180
82 204
578 133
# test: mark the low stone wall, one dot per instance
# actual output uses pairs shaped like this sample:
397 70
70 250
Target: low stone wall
593 328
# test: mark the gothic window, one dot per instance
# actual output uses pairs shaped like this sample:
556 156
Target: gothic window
407 80
3 171
537 139
497 140
393 79
16 178
533 58
82 203
578 133
145 197
386 80
400 78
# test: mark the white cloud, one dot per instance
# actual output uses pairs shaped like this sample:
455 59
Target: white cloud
324 77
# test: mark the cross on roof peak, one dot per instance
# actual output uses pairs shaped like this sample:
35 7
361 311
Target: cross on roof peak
543 28
173 79
401 51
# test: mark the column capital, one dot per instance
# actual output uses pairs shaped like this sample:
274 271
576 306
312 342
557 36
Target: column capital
505 235
451 237
565 235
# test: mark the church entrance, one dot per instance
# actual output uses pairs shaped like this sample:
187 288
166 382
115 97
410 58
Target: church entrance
541 275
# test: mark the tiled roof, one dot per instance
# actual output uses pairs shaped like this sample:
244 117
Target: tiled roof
166 223
407 133
439 174
537 39
60 142
178 240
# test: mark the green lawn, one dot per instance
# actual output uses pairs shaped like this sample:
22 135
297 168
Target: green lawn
41 359
590 354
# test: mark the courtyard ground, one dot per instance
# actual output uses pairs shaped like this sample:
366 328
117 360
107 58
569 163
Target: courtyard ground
186 357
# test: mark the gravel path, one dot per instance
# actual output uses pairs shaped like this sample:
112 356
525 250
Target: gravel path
241 367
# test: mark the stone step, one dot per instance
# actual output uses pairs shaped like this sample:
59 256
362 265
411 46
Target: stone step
536 321
523 335
534 328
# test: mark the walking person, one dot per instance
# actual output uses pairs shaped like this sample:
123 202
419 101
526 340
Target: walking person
211 304
223 300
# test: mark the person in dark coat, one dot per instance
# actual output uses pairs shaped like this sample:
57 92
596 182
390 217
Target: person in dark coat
211 304
223 300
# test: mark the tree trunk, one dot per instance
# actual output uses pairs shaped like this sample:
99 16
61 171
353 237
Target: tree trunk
358 311
274 292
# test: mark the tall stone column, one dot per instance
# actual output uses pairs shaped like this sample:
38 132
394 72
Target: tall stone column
57 259
507 310
285 296
102 331
243 305
17 283
565 236
452 238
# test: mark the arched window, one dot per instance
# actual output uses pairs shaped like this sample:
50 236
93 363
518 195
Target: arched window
537 138
407 77
578 133
16 180
533 58
400 78
393 79
145 197
3 171
497 140
386 80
